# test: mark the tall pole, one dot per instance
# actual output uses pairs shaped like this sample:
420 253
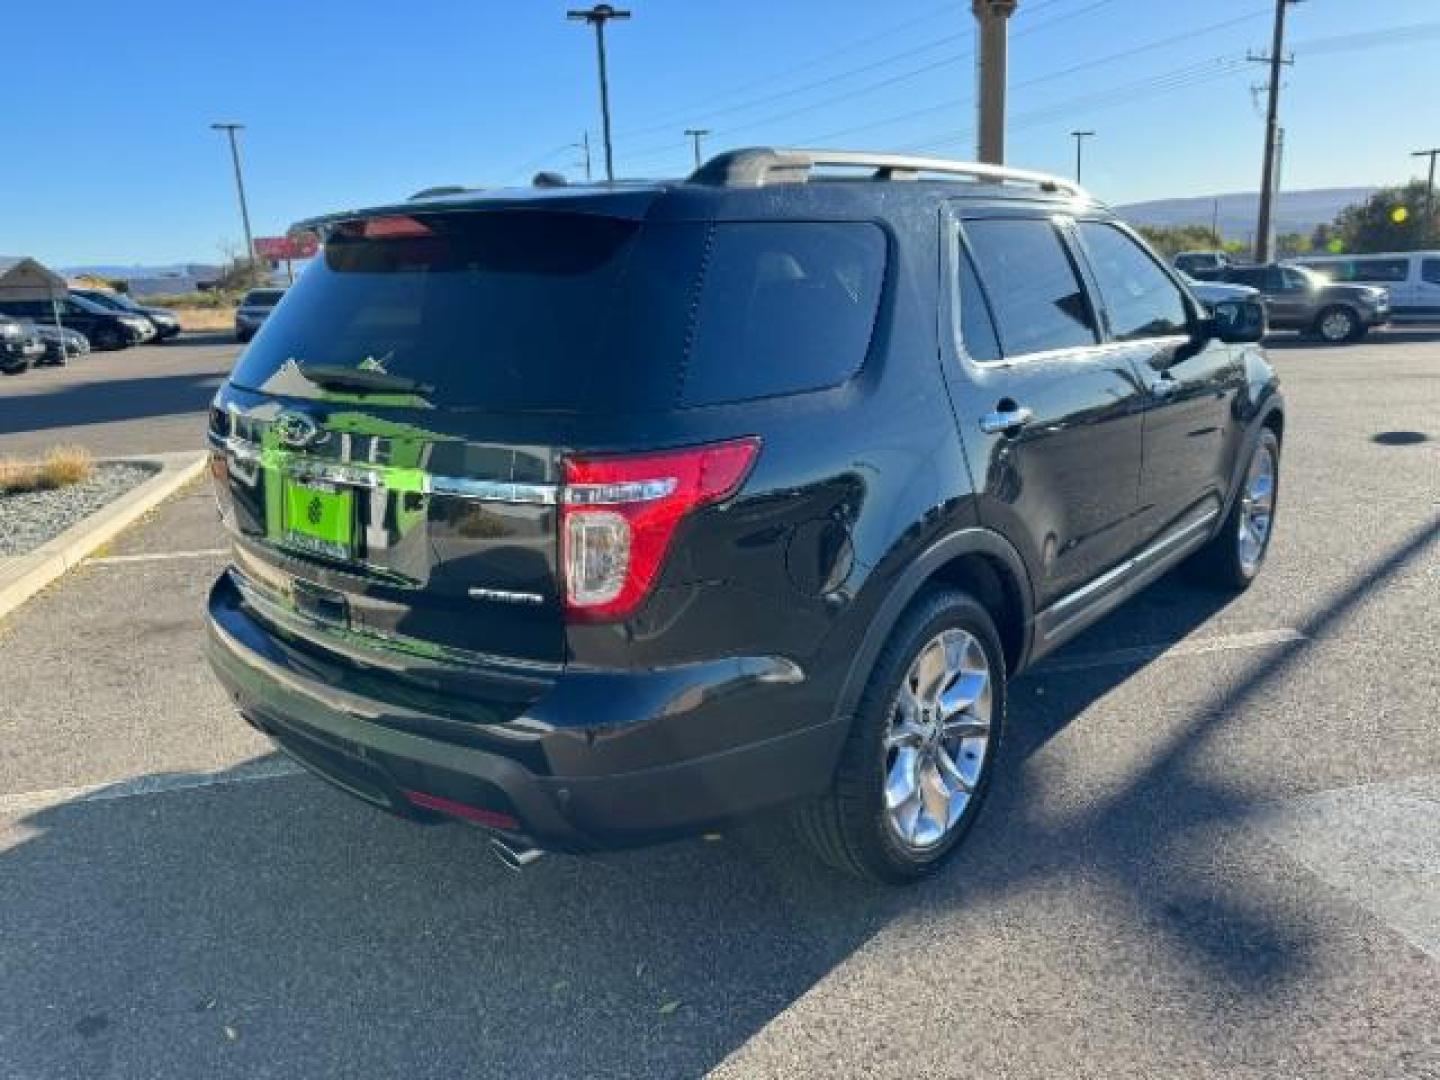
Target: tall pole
1079 137
1264 241
992 17
597 17
230 129
1215 220
584 147
1429 186
695 135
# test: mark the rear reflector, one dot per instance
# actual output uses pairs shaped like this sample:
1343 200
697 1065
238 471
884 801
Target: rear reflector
489 818
620 513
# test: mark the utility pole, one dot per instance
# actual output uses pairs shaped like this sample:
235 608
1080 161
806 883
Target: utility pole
1079 137
1215 220
1429 186
230 129
597 17
1264 241
695 135
992 17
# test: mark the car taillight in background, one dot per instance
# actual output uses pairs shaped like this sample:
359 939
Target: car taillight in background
619 513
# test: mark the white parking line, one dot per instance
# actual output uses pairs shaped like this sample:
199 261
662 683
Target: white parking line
157 556
29 802
1144 654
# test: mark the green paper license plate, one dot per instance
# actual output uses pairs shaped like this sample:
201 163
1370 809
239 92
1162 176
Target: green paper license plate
320 518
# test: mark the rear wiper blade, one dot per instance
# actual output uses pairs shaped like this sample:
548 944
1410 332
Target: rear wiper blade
363 380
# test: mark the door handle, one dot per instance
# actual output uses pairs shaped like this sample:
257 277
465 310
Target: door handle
1163 387
1005 420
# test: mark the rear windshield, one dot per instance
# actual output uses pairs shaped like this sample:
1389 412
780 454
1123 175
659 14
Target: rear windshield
531 310
264 297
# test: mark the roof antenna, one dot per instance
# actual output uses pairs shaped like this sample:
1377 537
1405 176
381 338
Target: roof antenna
549 179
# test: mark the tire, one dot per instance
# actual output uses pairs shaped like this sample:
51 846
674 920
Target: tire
107 340
1338 324
853 827
1230 561
242 337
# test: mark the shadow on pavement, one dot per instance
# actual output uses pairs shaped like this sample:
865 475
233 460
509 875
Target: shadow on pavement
108 400
275 927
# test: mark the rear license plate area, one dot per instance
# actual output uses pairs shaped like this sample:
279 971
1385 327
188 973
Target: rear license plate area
319 518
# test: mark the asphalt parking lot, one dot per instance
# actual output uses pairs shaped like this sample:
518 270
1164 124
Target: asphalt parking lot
1214 849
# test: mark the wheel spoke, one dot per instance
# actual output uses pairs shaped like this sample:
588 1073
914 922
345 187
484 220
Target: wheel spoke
966 726
904 733
964 692
929 671
902 782
951 771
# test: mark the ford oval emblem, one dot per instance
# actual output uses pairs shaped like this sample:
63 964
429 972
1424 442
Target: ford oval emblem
296 430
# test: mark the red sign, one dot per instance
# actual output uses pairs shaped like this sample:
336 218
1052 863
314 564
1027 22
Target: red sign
287 247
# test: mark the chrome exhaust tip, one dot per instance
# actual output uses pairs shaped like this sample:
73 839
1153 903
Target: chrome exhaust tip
512 858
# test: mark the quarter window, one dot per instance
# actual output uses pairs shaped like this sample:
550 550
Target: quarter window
1430 271
1141 299
1033 287
977 328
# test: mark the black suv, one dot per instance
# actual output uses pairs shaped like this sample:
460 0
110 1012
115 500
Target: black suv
1301 299
597 515
104 327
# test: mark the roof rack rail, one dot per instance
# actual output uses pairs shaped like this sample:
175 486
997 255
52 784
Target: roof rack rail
761 166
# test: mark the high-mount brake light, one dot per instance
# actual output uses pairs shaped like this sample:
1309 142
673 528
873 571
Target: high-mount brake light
391 228
619 514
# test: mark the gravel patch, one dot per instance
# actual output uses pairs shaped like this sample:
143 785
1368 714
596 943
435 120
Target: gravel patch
27 521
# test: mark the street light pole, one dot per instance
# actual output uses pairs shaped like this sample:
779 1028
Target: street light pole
230 129
597 17
695 135
1429 185
1079 137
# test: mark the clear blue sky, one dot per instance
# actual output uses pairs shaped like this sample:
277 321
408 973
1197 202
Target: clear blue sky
109 158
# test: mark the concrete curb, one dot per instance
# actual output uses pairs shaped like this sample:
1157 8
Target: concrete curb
22 576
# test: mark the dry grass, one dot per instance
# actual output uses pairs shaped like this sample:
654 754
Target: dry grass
61 467
198 318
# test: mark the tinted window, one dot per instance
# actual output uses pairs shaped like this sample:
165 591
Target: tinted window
1430 271
1366 270
1254 276
977 328
264 297
784 308
1140 298
1032 286
540 310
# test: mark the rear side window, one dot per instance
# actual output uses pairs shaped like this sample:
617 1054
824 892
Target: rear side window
1032 285
1430 271
785 307
1366 270
1140 298
977 328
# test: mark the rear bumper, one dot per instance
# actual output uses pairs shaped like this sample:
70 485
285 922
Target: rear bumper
558 788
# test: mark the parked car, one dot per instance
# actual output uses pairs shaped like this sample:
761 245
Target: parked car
102 326
1412 278
1211 293
1300 299
803 477
1203 265
19 347
254 309
60 344
165 321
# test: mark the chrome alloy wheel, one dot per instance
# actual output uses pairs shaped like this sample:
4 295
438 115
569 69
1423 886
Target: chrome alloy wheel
938 736
1257 507
1337 325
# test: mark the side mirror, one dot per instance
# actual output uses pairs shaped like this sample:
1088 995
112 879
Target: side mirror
1237 322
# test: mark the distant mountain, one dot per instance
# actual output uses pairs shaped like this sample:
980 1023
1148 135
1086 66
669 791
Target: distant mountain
1297 211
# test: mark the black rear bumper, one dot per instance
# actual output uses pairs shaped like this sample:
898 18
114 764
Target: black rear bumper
411 754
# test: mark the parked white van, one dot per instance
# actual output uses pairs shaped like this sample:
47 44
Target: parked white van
1412 277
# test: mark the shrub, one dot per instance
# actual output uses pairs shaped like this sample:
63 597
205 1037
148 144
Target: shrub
61 467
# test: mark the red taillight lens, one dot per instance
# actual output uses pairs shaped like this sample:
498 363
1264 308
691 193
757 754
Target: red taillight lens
620 513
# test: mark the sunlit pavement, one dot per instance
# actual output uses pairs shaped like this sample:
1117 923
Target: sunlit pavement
1215 850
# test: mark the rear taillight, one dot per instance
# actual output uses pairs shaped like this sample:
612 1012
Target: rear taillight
619 514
